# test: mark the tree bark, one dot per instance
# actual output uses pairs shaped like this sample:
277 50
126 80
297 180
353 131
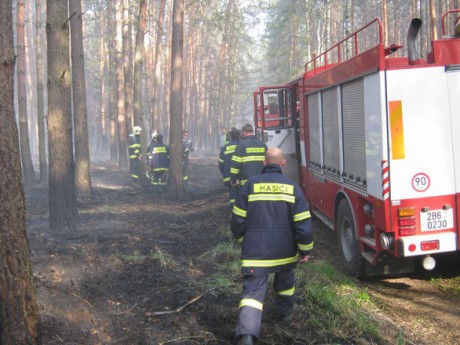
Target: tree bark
164 119
128 66
112 75
26 156
80 115
62 193
137 85
104 123
41 118
176 175
18 309
385 22
122 134
157 76
433 19
138 65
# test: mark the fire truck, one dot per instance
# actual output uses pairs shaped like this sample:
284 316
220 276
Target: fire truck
374 141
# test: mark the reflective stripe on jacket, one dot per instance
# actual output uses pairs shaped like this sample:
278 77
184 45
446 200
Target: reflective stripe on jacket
159 157
134 146
272 220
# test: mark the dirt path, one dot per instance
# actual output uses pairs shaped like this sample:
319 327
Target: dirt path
419 308
135 254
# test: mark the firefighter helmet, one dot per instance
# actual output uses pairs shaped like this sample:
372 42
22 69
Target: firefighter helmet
154 135
137 130
159 138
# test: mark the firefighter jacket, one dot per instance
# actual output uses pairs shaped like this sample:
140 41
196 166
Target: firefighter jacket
159 157
187 146
225 160
271 219
248 159
134 147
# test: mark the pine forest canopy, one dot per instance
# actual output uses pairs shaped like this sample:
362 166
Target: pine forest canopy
230 48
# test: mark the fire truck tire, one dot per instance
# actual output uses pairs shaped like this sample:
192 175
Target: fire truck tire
347 239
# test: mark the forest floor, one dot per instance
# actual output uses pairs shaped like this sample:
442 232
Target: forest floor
135 254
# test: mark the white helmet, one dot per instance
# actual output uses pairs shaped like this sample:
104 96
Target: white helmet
154 134
137 130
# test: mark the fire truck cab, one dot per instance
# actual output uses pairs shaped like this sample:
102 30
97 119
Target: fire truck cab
276 121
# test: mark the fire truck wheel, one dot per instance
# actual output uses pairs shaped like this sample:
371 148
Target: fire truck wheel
347 240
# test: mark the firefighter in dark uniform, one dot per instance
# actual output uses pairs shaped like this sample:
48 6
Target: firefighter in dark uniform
135 153
271 220
158 163
225 160
187 147
248 159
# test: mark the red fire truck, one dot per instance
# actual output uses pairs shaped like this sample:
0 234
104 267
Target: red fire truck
374 141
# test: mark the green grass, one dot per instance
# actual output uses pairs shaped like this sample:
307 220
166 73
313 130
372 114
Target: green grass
335 304
449 285
225 257
136 257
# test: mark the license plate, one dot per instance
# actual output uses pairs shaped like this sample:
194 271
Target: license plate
436 220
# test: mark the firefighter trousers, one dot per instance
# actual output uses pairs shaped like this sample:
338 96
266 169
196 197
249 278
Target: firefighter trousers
251 305
233 194
135 167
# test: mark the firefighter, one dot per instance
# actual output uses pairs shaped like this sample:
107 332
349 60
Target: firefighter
187 147
135 154
225 160
271 220
248 159
158 163
223 137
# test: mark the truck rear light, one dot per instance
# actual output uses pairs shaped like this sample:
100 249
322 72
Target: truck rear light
412 247
407 230
406 211
407 221
430 245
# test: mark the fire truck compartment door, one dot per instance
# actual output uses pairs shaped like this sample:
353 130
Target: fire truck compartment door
453 84
421 153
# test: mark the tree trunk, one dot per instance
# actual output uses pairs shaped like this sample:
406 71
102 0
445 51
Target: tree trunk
62 194
137 91
18 310
385 22
122 134
27 166
104 123
80 115
433 19
40 95
157 76
128 66
163 119
138 65
176 175
113 106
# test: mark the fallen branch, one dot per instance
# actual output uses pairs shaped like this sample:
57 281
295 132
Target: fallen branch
81 299
126 311
182 307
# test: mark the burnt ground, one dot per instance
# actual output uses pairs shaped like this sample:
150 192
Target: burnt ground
135 254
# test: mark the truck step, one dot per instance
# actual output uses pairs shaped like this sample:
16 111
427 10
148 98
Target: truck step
368 256
325 219
368 241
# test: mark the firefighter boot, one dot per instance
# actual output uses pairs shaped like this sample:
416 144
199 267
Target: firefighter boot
246 339
287 317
